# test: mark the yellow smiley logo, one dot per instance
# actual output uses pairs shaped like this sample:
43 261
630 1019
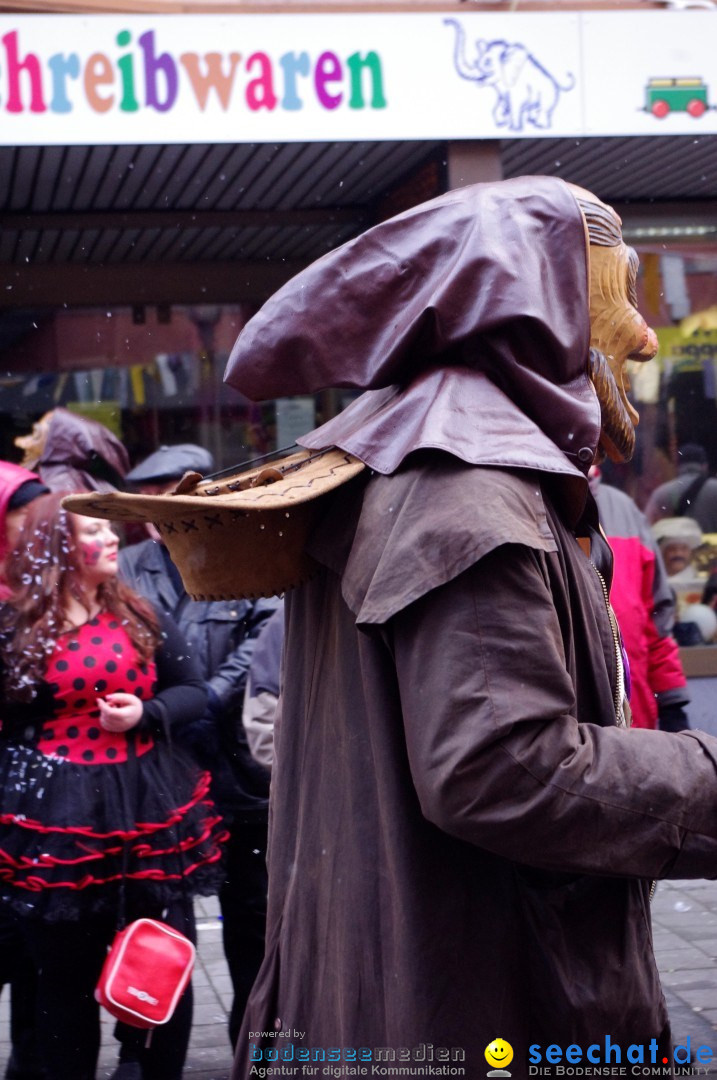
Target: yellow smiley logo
499 1053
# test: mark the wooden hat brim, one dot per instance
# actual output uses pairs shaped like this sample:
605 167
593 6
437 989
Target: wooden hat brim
232 541
292 480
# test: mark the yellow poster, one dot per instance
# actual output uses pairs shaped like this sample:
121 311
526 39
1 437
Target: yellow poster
105 412
681 352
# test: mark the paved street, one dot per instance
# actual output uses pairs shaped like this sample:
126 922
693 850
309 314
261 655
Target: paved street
209 1054
685 929
684 916
685 925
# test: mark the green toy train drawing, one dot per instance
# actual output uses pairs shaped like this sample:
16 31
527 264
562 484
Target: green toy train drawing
663 96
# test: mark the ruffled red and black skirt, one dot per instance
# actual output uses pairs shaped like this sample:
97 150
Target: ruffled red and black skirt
70 833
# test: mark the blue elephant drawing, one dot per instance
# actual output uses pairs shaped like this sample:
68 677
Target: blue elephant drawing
526 92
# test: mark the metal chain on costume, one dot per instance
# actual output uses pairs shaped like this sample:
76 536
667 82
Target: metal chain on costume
622 708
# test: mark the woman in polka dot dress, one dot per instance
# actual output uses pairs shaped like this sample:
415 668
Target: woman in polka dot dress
91 677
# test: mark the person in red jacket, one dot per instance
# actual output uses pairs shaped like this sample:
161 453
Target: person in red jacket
645 609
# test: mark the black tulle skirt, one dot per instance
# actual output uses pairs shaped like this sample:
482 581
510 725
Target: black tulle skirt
70 834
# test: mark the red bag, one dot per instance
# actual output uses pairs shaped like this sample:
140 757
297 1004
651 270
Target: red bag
145 973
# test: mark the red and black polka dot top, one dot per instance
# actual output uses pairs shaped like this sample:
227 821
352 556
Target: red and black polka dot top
89 662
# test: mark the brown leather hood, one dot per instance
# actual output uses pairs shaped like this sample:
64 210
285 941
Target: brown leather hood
469 318
81 454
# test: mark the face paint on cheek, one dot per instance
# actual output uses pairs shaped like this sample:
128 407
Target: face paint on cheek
91 553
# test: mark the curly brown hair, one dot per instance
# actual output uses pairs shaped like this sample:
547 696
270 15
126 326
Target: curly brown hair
42 572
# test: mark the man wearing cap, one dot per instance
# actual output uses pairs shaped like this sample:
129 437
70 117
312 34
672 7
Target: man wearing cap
161 470
18 488
221 634
464 827
679 538
693 492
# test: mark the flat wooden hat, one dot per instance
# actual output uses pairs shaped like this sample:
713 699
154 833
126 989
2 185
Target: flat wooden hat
239 535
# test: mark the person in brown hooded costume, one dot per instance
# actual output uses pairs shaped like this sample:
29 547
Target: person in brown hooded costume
74 453
464 826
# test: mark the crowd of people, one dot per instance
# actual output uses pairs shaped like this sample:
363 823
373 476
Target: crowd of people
484 757
128 785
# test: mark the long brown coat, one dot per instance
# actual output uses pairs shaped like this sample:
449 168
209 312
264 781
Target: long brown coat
462 839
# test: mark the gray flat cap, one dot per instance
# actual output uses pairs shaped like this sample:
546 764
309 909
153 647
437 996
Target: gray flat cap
171 463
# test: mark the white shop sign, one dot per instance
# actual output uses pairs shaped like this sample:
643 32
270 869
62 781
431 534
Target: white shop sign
71 79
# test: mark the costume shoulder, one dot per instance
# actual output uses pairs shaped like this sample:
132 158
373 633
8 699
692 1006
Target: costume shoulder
424 525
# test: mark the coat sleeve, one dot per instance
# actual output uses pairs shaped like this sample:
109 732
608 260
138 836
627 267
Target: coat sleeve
499 759
180 686
228 682
665 672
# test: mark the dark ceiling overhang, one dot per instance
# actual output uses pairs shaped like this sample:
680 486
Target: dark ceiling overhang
123 225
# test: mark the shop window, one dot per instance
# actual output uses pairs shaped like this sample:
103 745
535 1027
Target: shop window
151 380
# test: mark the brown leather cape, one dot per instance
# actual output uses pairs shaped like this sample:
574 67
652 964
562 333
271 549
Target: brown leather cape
462 838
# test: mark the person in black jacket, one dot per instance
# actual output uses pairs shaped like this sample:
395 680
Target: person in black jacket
221 636
691 493
263 687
